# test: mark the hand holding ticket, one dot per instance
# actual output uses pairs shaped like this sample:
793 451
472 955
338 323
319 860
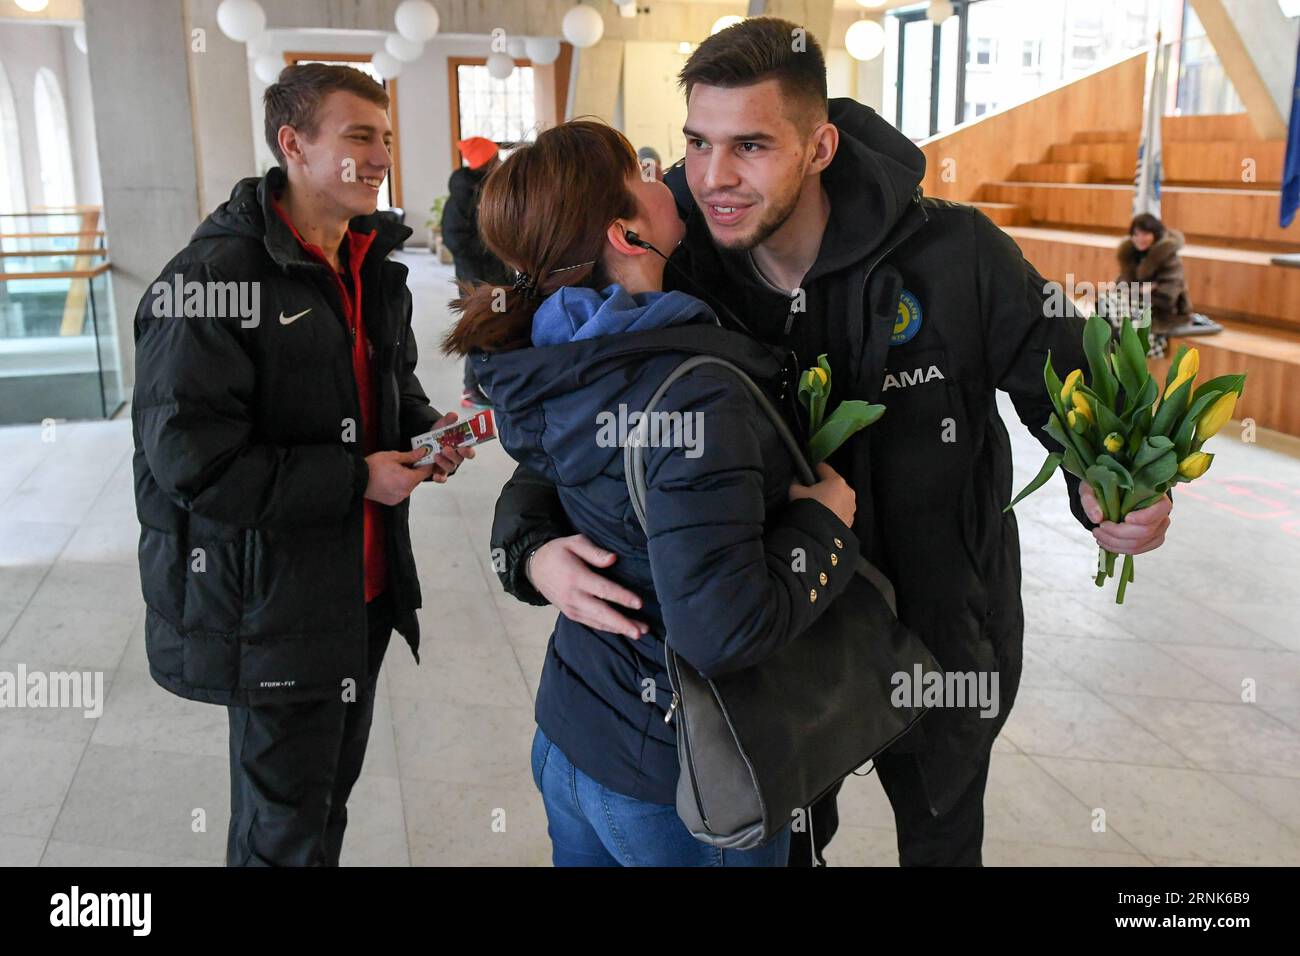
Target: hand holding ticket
478 428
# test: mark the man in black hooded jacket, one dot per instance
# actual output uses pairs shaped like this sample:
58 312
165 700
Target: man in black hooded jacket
805 222
275 385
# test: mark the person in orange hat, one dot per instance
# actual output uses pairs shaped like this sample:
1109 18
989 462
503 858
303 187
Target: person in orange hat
473 261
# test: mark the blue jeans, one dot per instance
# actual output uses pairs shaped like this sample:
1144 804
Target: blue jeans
591 825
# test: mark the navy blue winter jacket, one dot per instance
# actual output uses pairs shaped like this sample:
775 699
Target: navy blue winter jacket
732 569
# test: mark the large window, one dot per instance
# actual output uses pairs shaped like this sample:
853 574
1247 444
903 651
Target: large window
52 141
13 195
995 54
503 111
1203 85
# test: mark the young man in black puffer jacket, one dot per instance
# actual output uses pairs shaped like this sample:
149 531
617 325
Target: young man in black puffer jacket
275 385
806 218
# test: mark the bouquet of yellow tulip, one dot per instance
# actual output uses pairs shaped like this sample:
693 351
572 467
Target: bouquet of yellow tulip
849 417
1123 435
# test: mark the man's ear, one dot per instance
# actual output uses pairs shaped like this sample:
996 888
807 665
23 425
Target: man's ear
826 140
290 143
616 234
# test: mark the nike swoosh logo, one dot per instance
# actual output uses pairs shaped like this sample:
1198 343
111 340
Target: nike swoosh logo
286 319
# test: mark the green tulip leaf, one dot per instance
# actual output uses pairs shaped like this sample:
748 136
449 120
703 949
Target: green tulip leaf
1107 420
1171 410
1146 398
1044 475
1221 384
1106 484
1097 345
1159 470
1152 448
1054 386
1132 360
1073 464
1186 431
847 419
1123 475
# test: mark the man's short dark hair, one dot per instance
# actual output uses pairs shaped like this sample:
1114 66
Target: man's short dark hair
295 98
758 49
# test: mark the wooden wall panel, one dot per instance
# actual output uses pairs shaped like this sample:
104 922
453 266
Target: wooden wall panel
987 149
1224 213
1221 282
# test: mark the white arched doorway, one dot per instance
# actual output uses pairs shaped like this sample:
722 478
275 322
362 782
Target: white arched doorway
13 195
52 141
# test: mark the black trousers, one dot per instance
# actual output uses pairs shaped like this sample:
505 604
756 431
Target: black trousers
954 838
293 766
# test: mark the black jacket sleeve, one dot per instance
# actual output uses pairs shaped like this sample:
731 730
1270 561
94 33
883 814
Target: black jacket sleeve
528 514
1024 318
733 586
194 388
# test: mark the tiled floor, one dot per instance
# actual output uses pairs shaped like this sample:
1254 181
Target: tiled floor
1131 717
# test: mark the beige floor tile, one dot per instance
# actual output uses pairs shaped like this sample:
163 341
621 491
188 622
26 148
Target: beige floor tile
38 773
450 824
1245 738
146 801
1061 723
469 744
1126 667
68 637
1024 804
1178 814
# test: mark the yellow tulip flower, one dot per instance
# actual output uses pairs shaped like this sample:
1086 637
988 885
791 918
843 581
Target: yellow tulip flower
1071 380
1194 465
1216 416
1187 369
1081 405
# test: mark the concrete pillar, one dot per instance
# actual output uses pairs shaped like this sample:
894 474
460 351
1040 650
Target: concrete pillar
219 98
139 76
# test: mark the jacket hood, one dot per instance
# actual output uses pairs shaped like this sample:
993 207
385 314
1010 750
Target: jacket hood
599 357
872 182
249 214
572 313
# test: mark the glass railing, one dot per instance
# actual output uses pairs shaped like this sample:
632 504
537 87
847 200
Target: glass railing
58 338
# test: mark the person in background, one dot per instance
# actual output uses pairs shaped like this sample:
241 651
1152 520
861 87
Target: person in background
473 261
648 157
1150 254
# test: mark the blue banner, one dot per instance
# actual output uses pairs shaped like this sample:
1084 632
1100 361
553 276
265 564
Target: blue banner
1291 168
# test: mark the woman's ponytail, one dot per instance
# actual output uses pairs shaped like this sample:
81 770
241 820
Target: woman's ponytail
493 318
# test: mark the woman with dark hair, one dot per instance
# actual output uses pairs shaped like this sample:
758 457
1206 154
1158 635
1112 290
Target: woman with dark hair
1150 255
735 561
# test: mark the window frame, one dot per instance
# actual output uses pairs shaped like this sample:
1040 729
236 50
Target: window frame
453 95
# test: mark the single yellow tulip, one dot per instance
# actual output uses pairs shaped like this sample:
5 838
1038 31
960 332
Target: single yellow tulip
1187 369
1071 380
1081 405
1113 442
1216 416
1194 465
818 374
